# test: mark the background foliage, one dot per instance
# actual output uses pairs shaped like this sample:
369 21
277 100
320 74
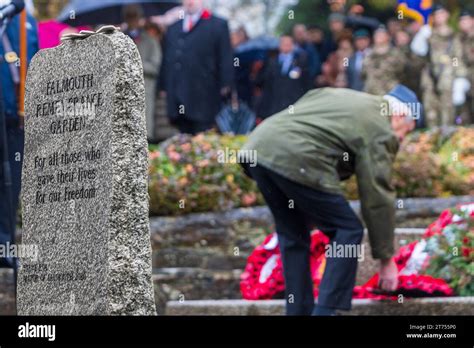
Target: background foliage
434 163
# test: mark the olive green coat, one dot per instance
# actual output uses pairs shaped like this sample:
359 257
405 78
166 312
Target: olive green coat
328 135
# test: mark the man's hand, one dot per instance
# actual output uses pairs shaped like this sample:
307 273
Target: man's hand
388 275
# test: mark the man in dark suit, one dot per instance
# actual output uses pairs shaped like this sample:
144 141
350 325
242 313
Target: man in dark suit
300 37
361 44
336 28
197 68
284 79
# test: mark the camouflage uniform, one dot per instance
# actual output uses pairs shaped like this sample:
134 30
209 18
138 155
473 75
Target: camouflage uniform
443 66
411 75
382 71
467 42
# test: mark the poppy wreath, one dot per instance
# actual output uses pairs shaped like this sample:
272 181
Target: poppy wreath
410 260
263 275
451 249
422 264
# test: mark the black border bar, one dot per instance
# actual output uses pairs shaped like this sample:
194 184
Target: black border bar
249 330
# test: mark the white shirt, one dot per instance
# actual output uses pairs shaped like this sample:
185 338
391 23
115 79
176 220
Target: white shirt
359 59
194 19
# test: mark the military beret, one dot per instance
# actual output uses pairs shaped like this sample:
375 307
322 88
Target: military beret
438 7
465 13
381 27
359 33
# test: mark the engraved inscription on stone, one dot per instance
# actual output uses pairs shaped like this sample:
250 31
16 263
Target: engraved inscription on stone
84 193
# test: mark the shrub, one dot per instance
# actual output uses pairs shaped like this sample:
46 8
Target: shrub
185 175
417 169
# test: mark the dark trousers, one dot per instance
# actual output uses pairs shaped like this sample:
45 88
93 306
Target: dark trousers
185 125
15 138
189 126
295 209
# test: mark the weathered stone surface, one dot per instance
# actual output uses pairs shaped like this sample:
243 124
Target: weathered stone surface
84 198
7 292
420 306
246 224
183 284
209 229
209 258
410 207
197 283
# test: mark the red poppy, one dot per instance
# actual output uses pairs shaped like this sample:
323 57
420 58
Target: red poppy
263 275
206 14
465 251
436 227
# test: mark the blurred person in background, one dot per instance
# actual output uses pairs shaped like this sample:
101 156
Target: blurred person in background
393 27
244 83
383 66
334 68
414 64
466 30
444 83
413 27
402 39
337 5
154 31
317 39
238 37
336 29
197 69
151 55
10 89
284 79
356 19
354 70
356 10
300 37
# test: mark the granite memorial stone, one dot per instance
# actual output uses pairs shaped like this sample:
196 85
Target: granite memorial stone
84 193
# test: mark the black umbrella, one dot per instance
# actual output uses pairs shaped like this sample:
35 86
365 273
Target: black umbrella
93 12
236 118
358 22
262 43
